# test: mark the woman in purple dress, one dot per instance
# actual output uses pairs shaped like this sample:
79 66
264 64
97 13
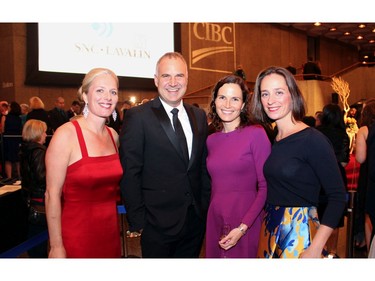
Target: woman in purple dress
236 154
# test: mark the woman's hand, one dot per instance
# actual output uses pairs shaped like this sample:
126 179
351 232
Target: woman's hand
57 252
233 236
311 253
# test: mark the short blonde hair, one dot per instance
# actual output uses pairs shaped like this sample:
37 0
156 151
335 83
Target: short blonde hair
33 130
36 103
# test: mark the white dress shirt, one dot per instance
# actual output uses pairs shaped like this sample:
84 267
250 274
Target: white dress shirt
184 119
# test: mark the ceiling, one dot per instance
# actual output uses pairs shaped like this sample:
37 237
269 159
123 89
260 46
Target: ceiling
346 33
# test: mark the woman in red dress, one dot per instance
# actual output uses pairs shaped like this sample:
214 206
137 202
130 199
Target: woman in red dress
83 176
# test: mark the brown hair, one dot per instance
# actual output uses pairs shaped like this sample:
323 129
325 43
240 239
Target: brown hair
244 115
298 102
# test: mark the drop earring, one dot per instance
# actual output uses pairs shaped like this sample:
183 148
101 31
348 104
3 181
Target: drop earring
85 111
114 115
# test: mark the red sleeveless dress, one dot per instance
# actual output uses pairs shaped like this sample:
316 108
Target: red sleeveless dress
89 220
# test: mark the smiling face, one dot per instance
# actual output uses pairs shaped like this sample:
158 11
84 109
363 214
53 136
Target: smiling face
102 95
171 80
275 97
229 103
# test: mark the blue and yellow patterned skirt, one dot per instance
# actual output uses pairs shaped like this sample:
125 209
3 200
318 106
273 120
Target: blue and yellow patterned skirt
287 231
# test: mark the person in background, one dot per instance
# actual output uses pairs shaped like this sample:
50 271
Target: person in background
125 106
83 176
370 199
165 186
240 72
236 155
25 108
363 226
318 118
311 70
4 109
309 120
57 115
353 113
333 127
74 110
11 125
302 161
38 112
292 69
33 173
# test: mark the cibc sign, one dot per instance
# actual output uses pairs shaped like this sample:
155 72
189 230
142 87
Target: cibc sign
212 46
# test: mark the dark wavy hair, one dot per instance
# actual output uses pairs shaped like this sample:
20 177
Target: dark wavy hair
333 117
15 108
245 117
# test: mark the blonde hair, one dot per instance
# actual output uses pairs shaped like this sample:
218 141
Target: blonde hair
90 76
33 130
36 103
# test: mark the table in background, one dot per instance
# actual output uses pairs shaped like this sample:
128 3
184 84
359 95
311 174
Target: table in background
13 218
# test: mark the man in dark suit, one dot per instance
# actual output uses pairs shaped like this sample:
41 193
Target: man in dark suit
166 194
74 110
57 116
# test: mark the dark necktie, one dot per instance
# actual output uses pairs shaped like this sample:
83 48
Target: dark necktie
180 134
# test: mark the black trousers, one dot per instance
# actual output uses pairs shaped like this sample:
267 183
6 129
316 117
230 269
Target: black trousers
186 244
37 224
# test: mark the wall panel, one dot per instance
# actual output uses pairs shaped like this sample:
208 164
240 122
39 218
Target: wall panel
258 45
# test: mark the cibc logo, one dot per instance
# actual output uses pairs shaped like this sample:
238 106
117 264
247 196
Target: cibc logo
212 46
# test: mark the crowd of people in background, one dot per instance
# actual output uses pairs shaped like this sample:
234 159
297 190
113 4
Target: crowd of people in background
253 177
14 115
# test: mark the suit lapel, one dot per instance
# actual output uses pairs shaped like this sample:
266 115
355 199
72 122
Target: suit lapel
165 122
194 129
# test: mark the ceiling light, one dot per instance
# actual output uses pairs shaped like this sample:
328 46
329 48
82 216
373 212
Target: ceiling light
317 24
371 41
362 25
365 57
347 33
359 37
332 29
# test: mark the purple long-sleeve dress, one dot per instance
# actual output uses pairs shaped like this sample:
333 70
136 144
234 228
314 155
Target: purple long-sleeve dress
235 162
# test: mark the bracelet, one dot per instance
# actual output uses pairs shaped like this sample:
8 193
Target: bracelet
243 231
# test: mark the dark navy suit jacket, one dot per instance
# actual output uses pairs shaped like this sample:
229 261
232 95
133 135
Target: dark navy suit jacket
158 184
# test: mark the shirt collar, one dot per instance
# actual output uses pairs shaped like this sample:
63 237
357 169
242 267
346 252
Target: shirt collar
168 108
